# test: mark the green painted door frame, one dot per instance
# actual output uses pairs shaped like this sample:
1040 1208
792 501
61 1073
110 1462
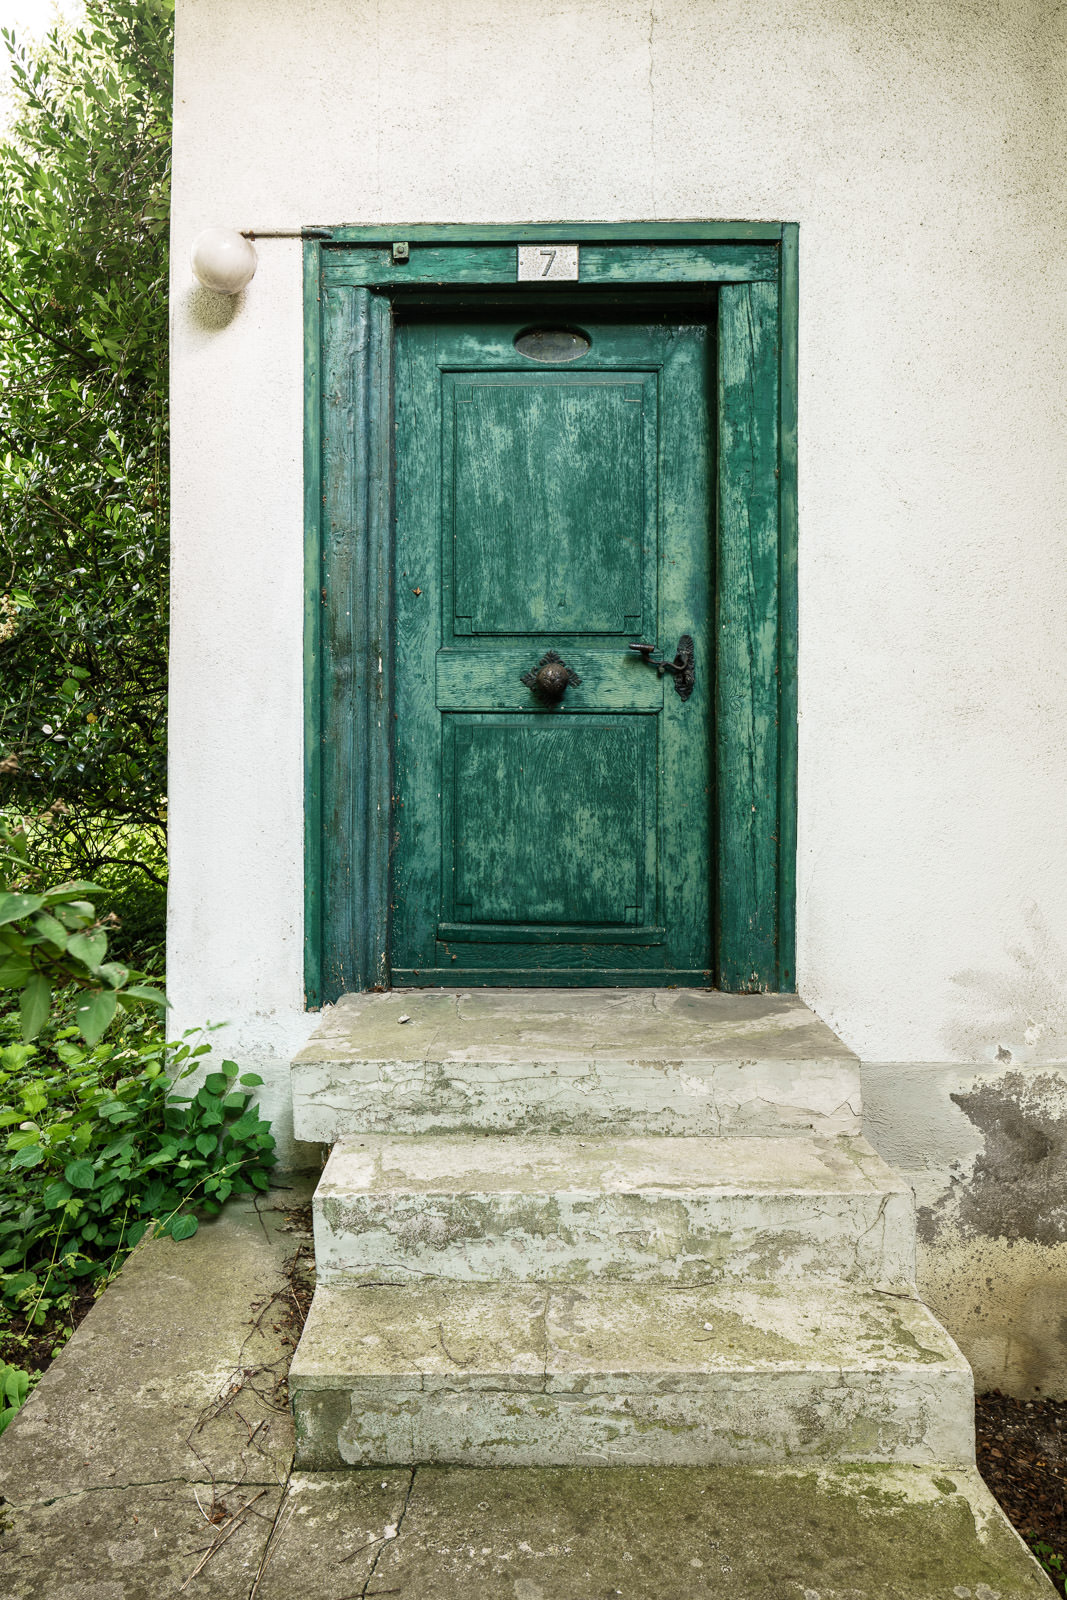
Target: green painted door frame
355 279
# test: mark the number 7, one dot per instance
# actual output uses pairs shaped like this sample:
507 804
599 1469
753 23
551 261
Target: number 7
551 254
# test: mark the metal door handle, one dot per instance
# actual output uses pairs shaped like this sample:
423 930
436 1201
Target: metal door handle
552 677
682 668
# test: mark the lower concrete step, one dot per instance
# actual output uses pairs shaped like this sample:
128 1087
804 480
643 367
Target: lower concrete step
532 1207
639 1061
628 1375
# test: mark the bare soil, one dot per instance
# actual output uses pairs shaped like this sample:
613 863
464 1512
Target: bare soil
1022 1455
35 1348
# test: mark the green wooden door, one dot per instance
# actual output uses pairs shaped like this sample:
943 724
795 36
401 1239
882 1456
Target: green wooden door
543 506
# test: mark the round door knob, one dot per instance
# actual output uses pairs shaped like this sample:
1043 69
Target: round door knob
552 680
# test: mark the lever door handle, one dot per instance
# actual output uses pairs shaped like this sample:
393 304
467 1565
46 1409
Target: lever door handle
682 668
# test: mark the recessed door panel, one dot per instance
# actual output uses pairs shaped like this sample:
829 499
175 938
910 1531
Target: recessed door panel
551 516
548 819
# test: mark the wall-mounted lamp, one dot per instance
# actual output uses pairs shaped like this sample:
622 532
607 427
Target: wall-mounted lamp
223 260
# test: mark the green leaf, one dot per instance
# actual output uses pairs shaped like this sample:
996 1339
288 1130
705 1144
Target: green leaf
113 973
14 970
251 1080
244 1126
65 892
206 1143
34 1006
94 1012
183 1227
52 929
16 1384
19 1284
31 1155
88 947
141 991
13 907
74 914
216 1083
79 1174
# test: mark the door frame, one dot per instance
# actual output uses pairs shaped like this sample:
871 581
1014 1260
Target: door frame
353 279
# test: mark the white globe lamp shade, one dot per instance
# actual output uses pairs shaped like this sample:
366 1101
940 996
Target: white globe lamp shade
223 260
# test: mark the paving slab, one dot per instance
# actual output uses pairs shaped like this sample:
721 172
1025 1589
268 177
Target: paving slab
841 1533
630 1374
643 1061
177 1372
525 1206
139 1543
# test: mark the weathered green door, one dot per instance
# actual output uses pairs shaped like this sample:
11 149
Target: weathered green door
553 495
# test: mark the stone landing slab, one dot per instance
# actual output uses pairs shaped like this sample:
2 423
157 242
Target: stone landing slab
645 1061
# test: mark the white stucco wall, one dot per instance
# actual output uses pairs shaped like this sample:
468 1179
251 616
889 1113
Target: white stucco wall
920 149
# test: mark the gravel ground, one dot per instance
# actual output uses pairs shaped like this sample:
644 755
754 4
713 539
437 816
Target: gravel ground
1022 1455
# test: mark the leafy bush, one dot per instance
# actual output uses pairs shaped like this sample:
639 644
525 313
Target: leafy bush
139 905
52 939
100 1149
84 200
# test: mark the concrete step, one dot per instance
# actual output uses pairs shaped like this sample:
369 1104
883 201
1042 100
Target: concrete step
533 1207
626 1375
585 1061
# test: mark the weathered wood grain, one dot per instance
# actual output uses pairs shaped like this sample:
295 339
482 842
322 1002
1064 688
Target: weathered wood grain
533 232
788 516
356 662
652 261
313 603
612 679
747 618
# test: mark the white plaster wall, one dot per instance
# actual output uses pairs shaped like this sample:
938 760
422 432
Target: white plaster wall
920 149
985 1151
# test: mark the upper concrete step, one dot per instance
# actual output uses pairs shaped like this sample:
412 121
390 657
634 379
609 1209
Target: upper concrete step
626 1374
538 1207
655 1061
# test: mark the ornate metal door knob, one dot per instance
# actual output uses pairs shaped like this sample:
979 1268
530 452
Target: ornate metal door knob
549 682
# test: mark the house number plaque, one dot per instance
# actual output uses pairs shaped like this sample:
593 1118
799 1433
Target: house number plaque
547 262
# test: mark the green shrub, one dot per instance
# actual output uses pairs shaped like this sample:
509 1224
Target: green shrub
99 1148
84 485
125 863
53 943
139 905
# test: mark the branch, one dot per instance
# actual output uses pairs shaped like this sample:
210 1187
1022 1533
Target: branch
53 338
